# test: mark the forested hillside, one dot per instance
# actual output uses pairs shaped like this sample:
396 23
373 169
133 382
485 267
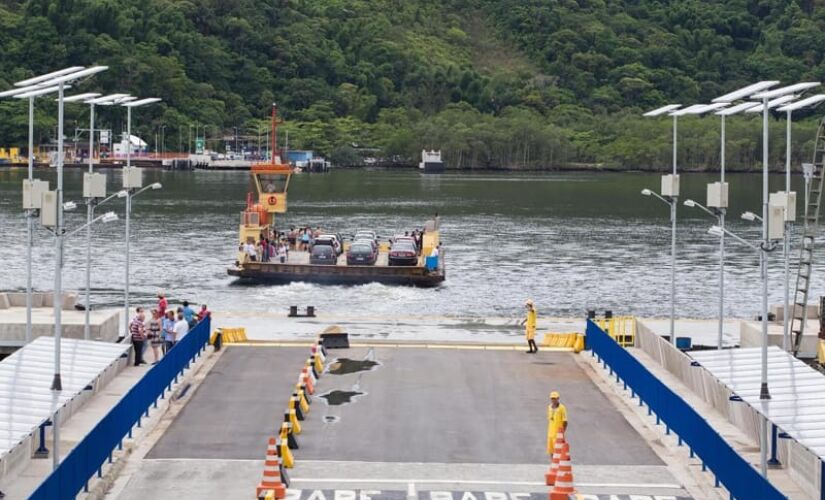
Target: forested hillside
493 83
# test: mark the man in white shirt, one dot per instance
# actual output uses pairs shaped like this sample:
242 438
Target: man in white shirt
181 328
251 252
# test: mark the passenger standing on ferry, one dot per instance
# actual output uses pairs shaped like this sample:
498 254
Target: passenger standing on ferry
305 240
291 237
264 250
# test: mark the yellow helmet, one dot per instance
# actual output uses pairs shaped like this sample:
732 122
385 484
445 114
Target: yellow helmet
554 395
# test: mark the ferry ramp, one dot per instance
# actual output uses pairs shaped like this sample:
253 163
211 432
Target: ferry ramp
391 421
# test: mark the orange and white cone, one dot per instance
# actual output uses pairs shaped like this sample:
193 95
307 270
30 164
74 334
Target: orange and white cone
271 480
563 488
316 351
307 381
558 448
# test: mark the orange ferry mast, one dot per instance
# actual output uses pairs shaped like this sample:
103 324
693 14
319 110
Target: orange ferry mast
271 183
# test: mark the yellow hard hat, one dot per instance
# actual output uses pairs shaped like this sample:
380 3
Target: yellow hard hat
554 395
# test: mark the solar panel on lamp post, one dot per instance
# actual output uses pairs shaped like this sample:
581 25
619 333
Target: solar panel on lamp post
129 195
57 384
790 217
722 209
93 99
31 92
669 109
768 99
717 210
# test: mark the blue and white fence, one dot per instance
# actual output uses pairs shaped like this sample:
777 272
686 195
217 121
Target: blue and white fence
88 457
731 470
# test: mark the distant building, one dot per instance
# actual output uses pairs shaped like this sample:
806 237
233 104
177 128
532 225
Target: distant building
299 157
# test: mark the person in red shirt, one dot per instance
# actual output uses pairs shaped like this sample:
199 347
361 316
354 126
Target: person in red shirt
162 304
203 313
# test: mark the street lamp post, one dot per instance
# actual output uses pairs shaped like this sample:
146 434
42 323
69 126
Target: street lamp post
723 113
672 202
129 186
777 95
790 214
31 88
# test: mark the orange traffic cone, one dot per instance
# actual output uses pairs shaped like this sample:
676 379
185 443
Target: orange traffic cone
307 380
272 473
564 481
558 448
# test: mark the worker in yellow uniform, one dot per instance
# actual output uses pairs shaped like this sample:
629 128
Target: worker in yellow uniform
530 331
556 420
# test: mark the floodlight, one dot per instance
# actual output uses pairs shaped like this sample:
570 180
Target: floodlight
157 185
662 110
69 205
109 217
746 91
810 101
647 192
715 231
690 203
122 193
79 97
772 104
48 76
749 216
738 108
790 89
40 91
142 102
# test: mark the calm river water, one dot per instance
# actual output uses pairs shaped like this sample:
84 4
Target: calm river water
570 241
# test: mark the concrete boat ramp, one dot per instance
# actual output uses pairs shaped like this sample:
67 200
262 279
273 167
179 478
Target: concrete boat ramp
401 421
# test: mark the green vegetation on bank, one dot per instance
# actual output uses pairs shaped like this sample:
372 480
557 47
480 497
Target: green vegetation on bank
493 83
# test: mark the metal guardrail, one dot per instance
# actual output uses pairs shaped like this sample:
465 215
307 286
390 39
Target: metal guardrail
731 470
88 457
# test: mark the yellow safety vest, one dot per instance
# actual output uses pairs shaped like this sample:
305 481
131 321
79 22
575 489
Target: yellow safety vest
555 420
531 323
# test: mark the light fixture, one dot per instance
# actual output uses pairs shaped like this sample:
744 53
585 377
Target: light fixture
69 205
647 192
690 203
749 216
109 217
715 231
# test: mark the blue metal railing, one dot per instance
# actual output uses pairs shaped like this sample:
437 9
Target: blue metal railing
731 470
88 457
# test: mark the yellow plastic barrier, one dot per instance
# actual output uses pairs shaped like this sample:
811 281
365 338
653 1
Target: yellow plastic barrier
560 341
230 335
293 419
621 328
821 352
286 454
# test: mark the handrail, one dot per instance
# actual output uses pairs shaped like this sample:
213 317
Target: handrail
88 456
735 473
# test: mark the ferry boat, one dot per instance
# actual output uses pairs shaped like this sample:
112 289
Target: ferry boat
257 222
431 162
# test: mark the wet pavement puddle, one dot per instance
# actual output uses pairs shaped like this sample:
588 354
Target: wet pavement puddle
336 397
345 366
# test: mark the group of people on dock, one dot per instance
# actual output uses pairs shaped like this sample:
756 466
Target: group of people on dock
163 329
